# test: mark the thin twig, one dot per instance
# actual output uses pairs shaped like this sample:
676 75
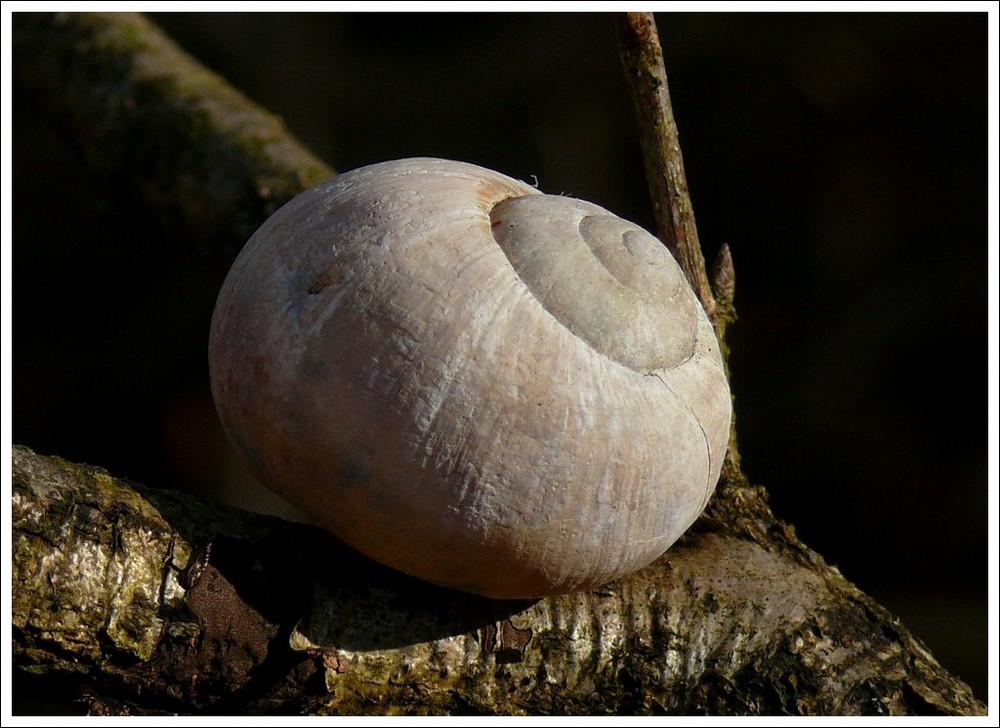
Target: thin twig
639 45
642 58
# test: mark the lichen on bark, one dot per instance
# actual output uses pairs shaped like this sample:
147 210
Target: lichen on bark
93 558
189 606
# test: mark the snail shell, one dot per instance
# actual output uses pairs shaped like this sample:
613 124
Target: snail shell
493 389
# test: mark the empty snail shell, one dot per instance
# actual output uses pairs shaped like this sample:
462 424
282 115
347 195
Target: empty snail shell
493 389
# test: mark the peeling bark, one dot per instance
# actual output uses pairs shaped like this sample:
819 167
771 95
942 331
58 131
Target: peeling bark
145 600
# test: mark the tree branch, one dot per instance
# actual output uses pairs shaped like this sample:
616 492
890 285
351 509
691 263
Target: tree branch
152 600
642 57
211 164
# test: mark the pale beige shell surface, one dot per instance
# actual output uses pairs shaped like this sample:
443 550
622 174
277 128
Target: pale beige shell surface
492 389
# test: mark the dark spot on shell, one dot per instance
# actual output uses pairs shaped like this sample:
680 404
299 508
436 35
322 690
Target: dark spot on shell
249 451
316 369
332 276
354 474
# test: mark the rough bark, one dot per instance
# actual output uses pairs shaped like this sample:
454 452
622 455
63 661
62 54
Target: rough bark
130 600
142 600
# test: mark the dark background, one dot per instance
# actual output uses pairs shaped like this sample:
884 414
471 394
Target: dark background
842 157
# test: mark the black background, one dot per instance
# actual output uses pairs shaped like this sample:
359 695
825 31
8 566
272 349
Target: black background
842 157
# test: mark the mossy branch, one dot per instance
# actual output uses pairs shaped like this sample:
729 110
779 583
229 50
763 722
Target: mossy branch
148 601
208 162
